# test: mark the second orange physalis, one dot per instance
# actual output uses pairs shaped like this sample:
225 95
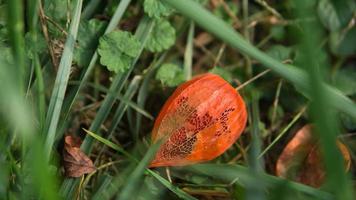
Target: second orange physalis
301 159
199 122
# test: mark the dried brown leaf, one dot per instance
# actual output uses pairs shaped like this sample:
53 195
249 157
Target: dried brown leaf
75 162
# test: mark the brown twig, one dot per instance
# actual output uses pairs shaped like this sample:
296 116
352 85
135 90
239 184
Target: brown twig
46 36
269 8
220 53
56 25
252 79
236 21
275 102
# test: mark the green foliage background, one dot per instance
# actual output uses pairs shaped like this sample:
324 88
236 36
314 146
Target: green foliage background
108 66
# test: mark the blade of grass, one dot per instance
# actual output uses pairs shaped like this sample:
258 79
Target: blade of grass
143 30
90 8
121 109
100 193
119 113
143 92
119 97
284 130
174 189
60 85
188 54
226 33
15 110
256 164
142 33
33 26
45 182
69 101
244 176
325 119
180 193
133 180
275 103
15 25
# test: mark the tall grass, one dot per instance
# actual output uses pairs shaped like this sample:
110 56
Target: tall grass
30 131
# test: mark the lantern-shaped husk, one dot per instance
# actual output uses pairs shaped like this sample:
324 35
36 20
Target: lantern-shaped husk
200 121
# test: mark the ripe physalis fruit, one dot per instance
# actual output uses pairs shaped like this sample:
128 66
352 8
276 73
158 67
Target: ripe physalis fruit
301 159
199 122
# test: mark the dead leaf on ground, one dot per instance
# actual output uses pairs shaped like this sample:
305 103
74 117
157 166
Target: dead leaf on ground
301 159
203 39
75 162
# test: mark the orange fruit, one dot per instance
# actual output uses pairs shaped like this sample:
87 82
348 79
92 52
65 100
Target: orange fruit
199 121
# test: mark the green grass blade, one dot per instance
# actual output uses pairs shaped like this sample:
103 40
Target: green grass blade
284 130
44 180
143 92
180 193
324 118
60 86
41 99
101 192
256 164
16 34
90 8
226 33
174 189
136 176
142 33
13 106
188 54
120 98
121 109
119 113
110 144
69 101
119 80
243 175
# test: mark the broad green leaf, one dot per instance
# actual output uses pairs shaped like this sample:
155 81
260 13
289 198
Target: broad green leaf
162 37
88 34
328 15
335 16
156 8
170 75
345 80
117 50
343 43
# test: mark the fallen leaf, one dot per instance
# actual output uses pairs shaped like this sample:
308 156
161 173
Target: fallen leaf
203 39
301 159
75 162
199 122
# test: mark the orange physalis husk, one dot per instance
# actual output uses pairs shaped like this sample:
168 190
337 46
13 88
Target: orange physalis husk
301 159
199 122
